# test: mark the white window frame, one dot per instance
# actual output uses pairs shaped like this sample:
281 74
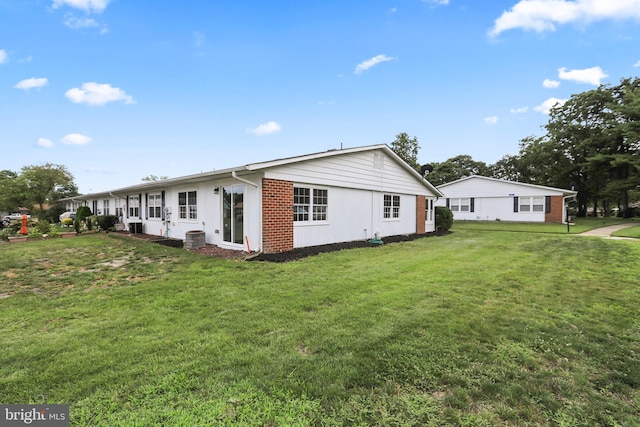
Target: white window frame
189 210
314 206
429 210
391 207
460 204
531 204
154 207
105 207
134 207
119 208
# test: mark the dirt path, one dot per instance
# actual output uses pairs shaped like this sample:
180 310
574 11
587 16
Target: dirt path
606 231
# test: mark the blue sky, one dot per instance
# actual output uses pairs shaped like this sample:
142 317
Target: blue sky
117 90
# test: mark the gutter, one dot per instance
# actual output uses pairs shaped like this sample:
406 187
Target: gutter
246 181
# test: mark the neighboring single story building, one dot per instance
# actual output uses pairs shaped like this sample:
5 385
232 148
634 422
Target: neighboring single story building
479 198
275 206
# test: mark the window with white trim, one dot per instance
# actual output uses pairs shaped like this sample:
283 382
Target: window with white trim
155 206
460 204
531 204
105 206
429 210
391 207
310 204
119 209
188 205
134 207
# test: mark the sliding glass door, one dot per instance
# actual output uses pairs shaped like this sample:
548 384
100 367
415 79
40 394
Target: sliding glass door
233 214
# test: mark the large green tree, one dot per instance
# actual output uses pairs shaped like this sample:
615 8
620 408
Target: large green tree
45 183
595 137
407 148
456 168
11 197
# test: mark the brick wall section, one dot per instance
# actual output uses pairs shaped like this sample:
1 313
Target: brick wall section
556 210
421 214
277 215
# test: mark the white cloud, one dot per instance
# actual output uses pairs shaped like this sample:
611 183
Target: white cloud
365 65
31 83
544 15
43 142
4 56
79 23
266 128
550 84
75 139
520 110
492 120
98 94
637 64
89 6
593 75
547 105
76 23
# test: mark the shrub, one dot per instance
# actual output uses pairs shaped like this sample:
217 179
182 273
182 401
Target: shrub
67 222
82 213
89 223
76 225
106 222
444 218
53 214
43 226
5 233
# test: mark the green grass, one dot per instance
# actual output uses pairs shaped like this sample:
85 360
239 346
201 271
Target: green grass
473 328
629 232
580 225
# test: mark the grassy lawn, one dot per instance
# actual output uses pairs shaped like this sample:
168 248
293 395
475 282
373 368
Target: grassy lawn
629 232
473 328
580 225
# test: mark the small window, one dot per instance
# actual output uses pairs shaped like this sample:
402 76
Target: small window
188 205
320 200
391 207
538 204
105 206
134 207
310 204
301 202
461 205
155 206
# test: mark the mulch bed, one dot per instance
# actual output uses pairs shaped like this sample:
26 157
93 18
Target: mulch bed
300 253
295 254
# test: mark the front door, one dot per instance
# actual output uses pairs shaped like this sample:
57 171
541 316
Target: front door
233 214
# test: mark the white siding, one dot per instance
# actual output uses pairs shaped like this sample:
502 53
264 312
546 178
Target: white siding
495 208
369 170
481 187
494 199
355 215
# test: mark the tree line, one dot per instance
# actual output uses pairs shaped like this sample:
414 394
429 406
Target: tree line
591 144
35 186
